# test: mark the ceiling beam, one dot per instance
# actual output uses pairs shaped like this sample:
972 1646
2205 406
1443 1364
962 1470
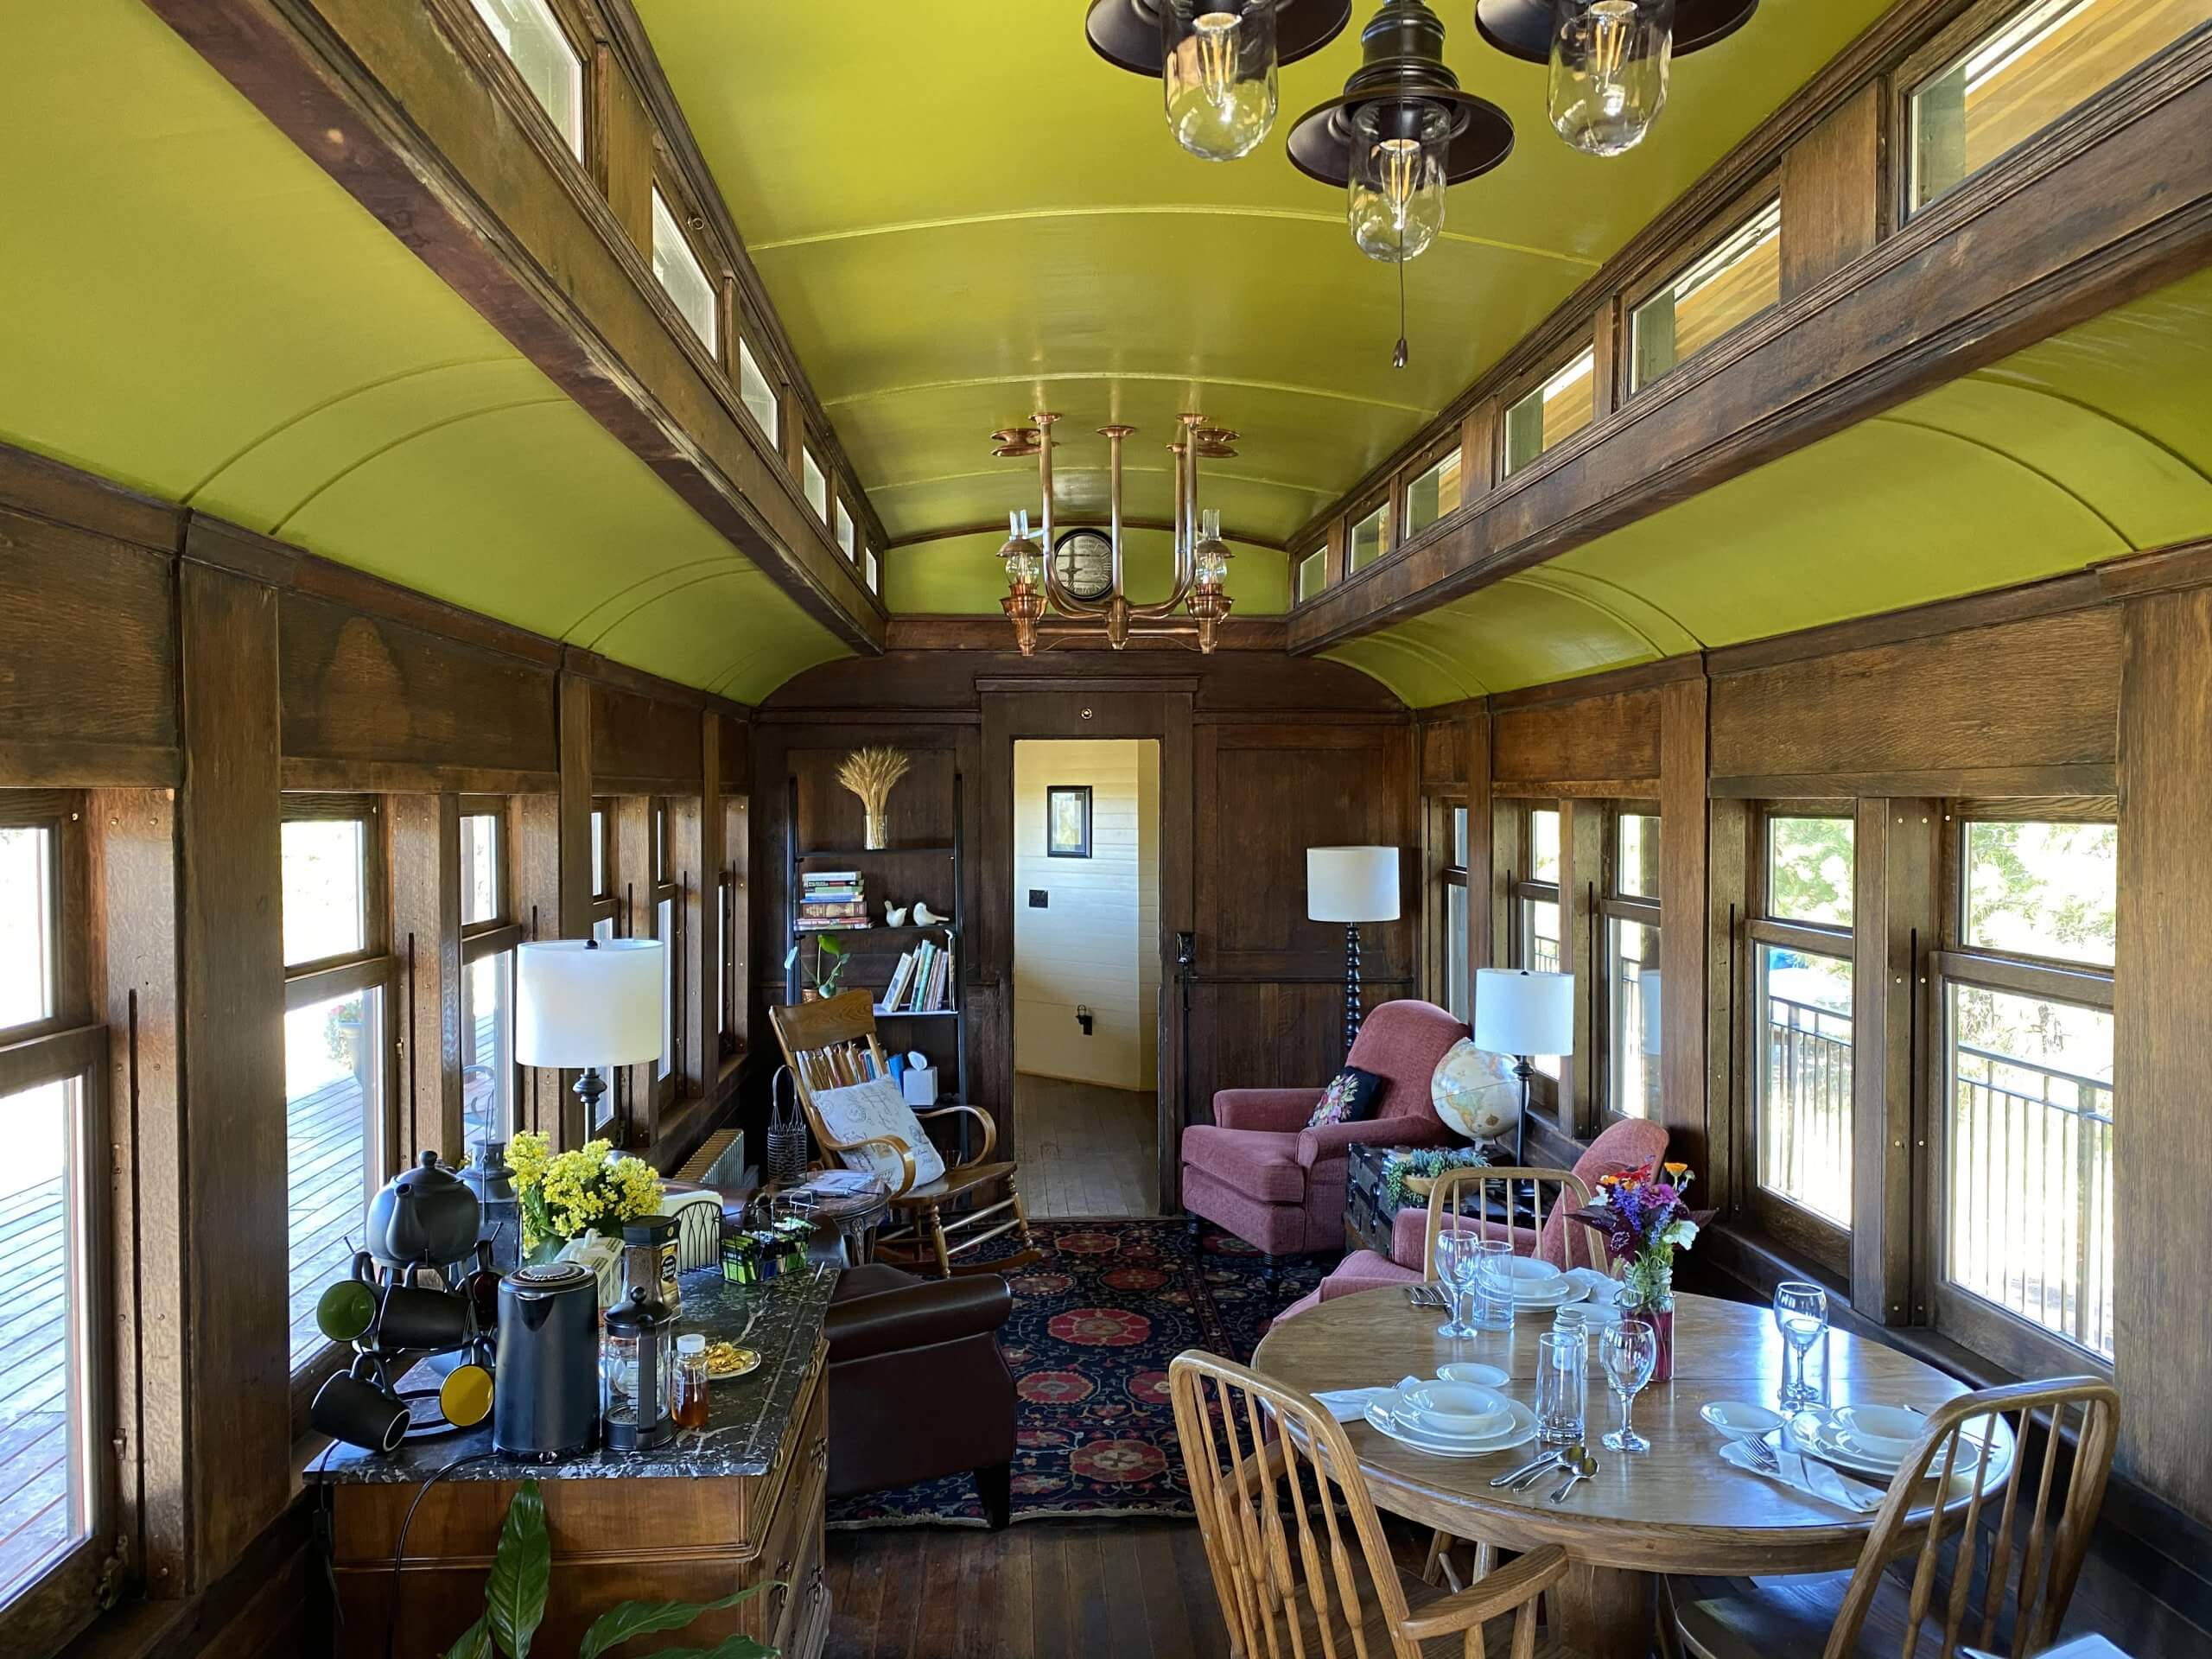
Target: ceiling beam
2108 204
466 171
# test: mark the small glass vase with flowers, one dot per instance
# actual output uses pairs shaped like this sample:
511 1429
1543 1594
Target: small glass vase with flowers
1643 1220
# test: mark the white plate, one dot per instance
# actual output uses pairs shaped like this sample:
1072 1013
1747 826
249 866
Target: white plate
1815 1433
1595 1285
1555 1293
1483 1376
1449 1410
1530 1269
1520 1432
1740 1419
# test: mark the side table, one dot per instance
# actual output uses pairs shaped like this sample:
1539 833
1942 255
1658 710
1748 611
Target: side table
855 1216
1367 1220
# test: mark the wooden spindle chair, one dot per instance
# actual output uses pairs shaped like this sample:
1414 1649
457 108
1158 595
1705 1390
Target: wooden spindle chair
1296 1552
1496 1192
2014 1552
832 1043
1484 1200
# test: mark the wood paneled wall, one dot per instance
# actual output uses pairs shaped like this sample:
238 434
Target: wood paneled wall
184 673
1261 756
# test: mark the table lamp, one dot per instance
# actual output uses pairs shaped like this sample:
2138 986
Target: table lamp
1524 1013
580 1004
1352 885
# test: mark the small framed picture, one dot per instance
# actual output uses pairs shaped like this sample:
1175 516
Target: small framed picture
1067 821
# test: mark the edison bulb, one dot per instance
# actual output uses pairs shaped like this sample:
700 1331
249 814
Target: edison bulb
1219 75
1395 193
1610 63
1211 555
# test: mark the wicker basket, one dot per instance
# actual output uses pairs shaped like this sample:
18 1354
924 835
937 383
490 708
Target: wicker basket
786 1157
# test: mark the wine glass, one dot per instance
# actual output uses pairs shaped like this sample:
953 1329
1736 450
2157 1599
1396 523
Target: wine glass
1629 1350
1800 1313
1457 1259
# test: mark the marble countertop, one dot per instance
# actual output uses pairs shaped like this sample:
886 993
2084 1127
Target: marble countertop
748 1416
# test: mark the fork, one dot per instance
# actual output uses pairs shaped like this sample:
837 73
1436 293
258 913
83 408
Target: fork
1424 1296
1764 1452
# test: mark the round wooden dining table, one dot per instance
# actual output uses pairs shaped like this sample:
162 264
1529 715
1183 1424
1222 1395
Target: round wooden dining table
1677 1508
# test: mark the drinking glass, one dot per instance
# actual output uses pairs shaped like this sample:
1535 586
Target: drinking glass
1493 1284
1456 1262
1562 1388
1800 1313
1628 1349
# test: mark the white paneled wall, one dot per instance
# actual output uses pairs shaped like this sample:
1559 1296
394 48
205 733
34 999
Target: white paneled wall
1096 945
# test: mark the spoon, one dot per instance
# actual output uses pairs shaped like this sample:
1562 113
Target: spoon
1583 1465
1562 1458
1530 1470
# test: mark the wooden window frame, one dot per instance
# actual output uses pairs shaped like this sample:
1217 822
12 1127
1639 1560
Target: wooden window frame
1523 893
375 967
841 520
1584 343
1429 459
1746 205
808 444
742 334
1803 1235
691 225
1615 904
581 33
68 1046
2016 1344
1298 563
1443 874
1383 500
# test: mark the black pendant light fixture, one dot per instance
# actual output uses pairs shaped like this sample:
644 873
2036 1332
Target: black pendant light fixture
1609 59
1216 60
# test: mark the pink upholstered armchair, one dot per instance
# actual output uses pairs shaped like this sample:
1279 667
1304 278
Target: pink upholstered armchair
1257 1171
1630 1144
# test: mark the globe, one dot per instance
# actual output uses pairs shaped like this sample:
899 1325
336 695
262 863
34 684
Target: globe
1476 1092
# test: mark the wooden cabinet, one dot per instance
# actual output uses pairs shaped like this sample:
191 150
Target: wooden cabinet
666 1537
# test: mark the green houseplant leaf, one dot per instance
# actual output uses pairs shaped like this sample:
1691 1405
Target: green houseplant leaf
475 1642
626 1619
734 1647
522 1572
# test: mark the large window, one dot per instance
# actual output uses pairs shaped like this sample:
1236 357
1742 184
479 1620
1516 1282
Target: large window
1800 1036
2040 61
1734 281
1630 1003
1558 408
337 974
1448 821
757 393
2027 1099
677 266
1369 538
532 36
1433 493
55 1461
489 934
1536 917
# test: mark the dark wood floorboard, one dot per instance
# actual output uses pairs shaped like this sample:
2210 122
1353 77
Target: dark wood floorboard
1085 1150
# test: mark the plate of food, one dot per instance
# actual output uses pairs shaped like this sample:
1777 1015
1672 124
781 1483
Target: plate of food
727 1359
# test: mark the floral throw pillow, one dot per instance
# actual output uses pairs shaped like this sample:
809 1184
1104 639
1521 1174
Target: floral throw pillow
1350 1099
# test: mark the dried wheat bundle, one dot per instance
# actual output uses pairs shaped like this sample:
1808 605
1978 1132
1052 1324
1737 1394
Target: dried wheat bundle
870 774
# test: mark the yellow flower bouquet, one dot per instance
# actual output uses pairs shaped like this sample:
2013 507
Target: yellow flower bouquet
566 1195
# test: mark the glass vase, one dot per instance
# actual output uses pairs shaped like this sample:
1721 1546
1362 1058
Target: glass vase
1647 1293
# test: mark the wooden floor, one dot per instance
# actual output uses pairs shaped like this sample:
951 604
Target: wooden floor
1086 1150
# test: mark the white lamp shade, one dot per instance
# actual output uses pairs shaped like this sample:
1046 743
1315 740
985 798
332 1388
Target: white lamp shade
1521 1013
1649 984
579 1002
1351 884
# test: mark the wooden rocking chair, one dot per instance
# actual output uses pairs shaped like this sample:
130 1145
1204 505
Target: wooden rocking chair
833 1042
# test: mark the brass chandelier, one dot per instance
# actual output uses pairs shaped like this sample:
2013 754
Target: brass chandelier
1046 601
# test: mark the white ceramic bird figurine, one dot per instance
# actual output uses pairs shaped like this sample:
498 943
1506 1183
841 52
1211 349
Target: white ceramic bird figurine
894 915
925 916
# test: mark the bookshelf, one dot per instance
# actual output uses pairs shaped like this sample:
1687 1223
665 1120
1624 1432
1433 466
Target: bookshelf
900 873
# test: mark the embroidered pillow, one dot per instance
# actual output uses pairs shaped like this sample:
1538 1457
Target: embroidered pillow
858 1111
1350 1099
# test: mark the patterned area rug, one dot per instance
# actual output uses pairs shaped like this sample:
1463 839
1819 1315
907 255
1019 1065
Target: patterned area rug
1095 1325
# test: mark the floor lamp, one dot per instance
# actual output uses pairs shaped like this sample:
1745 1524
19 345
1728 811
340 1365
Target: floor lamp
1352 885
581 1004
1524 1013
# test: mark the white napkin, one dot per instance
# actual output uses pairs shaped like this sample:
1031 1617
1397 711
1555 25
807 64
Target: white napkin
1350 1405
1808 1476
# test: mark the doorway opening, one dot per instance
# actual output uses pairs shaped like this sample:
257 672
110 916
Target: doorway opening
1087 974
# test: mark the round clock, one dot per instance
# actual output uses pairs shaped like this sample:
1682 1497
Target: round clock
1083 562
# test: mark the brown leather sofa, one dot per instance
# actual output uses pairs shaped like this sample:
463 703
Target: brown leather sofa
917 1387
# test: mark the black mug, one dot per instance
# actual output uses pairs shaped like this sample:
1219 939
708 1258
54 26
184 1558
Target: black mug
359 1413
417 1318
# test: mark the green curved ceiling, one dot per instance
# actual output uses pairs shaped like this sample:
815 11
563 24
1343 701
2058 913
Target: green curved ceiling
199 311
964 215
2093 444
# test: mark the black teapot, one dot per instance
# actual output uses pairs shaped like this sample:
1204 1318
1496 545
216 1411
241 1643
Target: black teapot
426 1216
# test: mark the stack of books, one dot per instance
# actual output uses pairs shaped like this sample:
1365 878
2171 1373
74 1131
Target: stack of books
831 901
922 983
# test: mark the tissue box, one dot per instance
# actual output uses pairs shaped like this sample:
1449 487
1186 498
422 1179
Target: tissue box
920 1082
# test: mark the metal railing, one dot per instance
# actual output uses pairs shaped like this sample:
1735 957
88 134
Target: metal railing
1804 1115
2029 1221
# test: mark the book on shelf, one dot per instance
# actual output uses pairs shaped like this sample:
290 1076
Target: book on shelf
831 878
824 911
832 925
